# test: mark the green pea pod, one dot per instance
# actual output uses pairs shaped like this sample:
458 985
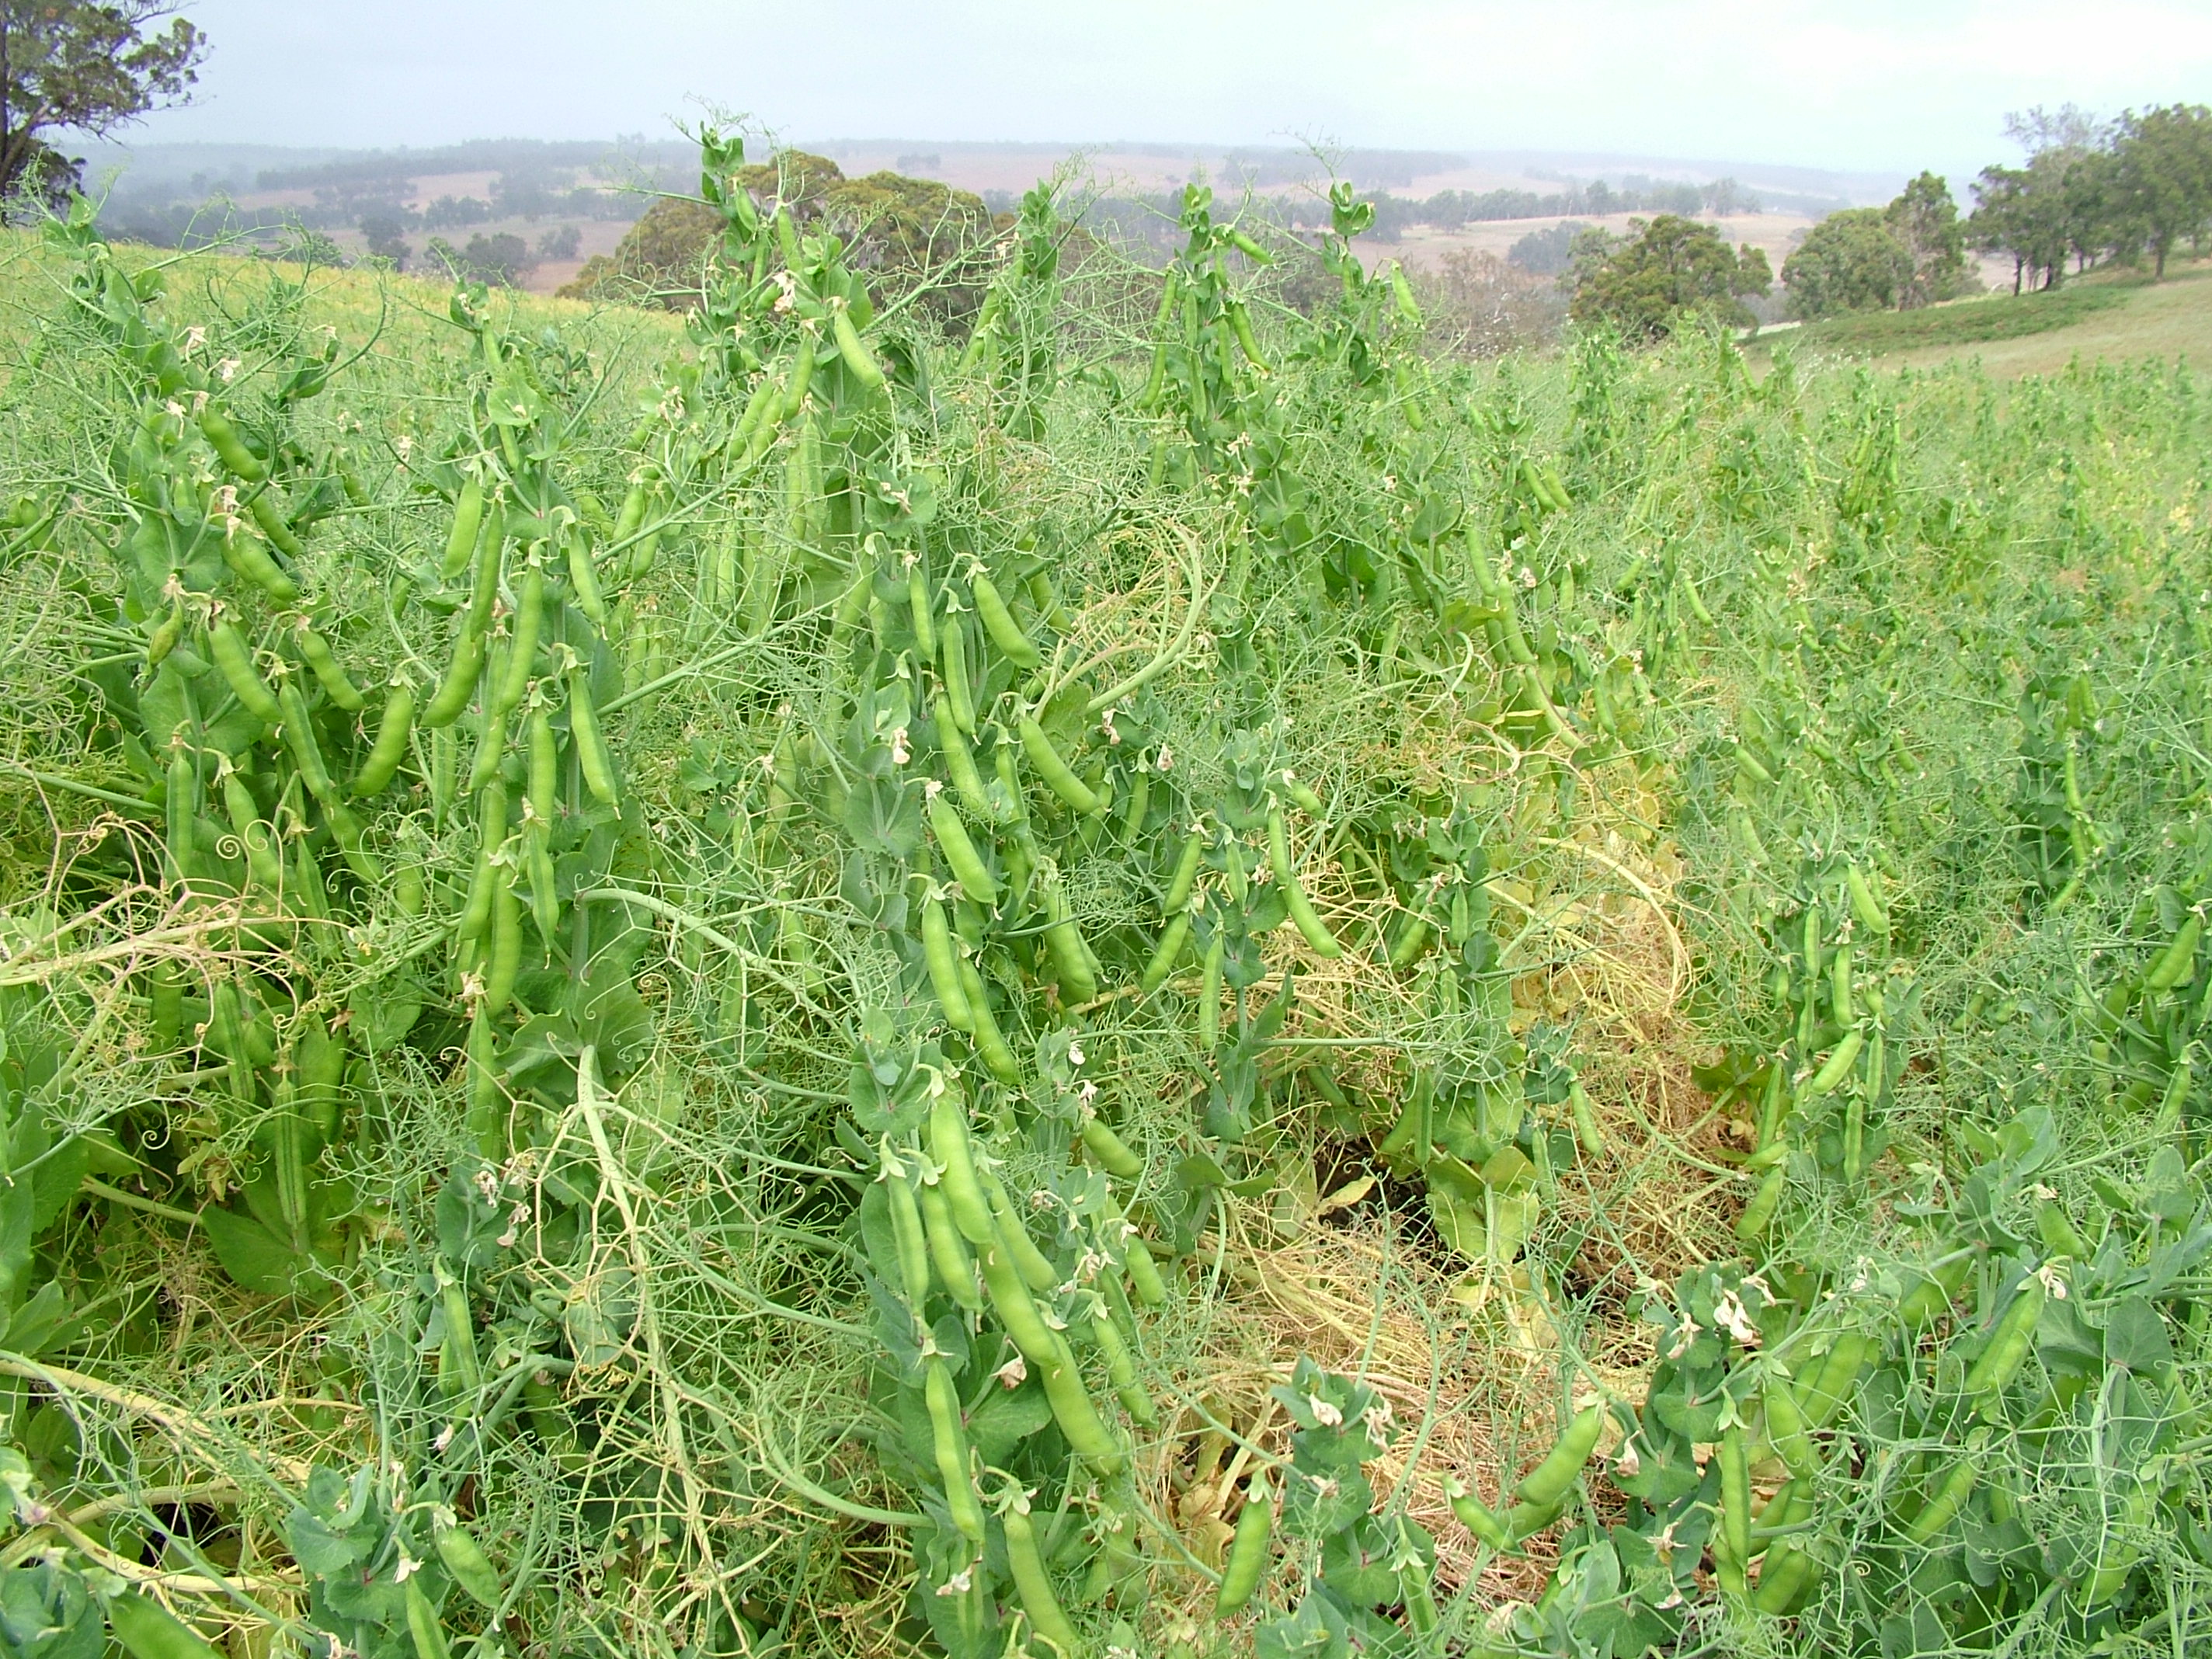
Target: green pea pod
1758 1214
1864 905
955 1264
164 639
954 1155
1550 1481
960 855
230 449
545 887
483 586
491 834
544 767
1121 1370
2009 1345
487 1108
465 1559
1943 1505
958 762
907 1237
1240 324
1791 1571
267 516
1303 916
148 1631
423 1627
1484 1522
1143 1273
990 1043
999 623
1031 1263
1078 1420
859 361
1141 802
1785 1428
802 379
1930 1297
1111 1151
583 579
592 754
949 1443
505 962
299 739
917 604
2173 964
1402 291
1837 1066
953 660
1248 1550
1058 775
1011 1301
1177 897
1070 963
461 539
459 684
944 965
491 749
1173 939
1735 1493
765 397
235 661
1821 1393
382 763
352 837
1031 1583
317 653
1209 991
522 647
263 866
631 513
1586 1124
182 810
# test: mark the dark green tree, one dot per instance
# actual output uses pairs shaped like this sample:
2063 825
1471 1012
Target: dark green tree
1924 220
1672 270
83 68
1851 261
2022 212
2163 176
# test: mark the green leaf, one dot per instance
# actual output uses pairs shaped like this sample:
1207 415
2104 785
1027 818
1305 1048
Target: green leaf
252 1256
1004 1418
2136 1338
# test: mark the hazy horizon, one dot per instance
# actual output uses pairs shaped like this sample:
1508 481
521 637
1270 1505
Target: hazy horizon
1877 87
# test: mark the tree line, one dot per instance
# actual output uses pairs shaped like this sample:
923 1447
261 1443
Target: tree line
2128 192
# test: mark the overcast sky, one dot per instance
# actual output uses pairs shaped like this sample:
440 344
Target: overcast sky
1871 85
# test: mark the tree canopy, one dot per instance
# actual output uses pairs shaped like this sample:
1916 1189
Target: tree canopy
1850 261
1672 269
70 66
2126 191
894 227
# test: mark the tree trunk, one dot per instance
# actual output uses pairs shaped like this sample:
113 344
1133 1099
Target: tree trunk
2017 264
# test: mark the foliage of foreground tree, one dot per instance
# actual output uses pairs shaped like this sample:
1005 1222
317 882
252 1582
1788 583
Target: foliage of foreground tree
84 68
1671 270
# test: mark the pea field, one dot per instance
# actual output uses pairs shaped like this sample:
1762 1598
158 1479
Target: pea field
1137 971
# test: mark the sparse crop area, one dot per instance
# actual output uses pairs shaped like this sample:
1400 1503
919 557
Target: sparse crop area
1128 969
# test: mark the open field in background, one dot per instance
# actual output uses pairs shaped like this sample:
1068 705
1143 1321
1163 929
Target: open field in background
1005 171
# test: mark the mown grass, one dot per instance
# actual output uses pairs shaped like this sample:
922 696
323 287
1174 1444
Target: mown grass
2105 316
